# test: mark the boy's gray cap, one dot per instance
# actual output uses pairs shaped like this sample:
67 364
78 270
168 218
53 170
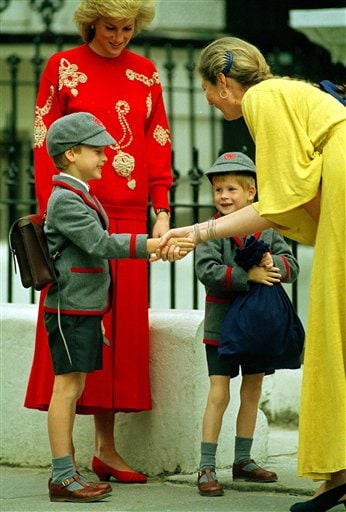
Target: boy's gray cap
73 129
232 162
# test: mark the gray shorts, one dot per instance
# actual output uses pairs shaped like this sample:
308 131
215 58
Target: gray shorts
217 366
84 340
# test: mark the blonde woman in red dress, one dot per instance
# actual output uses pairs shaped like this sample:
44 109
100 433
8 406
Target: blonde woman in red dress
123 90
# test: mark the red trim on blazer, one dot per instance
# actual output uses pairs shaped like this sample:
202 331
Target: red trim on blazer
240 243
210 342
220 300
92 204
287 268
228 276
133 246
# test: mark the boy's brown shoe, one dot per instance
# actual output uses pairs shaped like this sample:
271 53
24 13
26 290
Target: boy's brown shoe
257 474
99 485
59 492
210 488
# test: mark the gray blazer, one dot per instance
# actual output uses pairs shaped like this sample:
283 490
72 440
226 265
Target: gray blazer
223 278
83 275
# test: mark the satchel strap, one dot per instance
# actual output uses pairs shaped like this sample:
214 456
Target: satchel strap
58 252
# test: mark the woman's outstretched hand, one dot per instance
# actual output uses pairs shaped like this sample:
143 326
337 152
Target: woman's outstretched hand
184 232
175 248
175 244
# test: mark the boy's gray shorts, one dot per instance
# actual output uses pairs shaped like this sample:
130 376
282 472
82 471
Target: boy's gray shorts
84 340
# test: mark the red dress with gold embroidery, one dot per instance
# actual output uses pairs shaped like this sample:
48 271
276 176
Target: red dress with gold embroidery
126 95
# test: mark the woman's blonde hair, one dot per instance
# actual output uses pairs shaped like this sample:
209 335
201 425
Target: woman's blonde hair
234 58
88 11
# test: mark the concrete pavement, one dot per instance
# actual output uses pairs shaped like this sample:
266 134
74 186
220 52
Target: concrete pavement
25 489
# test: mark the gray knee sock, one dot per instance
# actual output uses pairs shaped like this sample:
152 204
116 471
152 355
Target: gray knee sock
242 451
62 469
208 454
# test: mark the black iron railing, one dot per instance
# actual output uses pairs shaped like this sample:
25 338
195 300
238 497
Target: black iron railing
196 131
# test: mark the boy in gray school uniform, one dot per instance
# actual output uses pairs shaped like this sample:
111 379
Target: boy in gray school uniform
233 180
75 303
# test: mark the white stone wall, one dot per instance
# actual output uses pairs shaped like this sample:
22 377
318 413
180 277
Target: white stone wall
164 439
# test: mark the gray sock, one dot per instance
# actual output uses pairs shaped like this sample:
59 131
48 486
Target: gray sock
82 477
208 455
242 451
62 469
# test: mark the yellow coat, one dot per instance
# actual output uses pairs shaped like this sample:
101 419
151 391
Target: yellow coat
300 137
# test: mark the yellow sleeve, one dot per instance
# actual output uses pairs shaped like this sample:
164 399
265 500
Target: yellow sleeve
288 166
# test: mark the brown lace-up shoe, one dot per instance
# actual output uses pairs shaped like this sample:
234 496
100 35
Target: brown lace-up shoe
210 488
257 474
59 492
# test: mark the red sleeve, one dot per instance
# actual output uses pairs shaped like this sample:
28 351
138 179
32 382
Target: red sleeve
47 110
158 146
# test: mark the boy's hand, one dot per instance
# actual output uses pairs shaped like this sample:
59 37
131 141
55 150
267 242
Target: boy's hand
267 260
103 330
264 275
176 249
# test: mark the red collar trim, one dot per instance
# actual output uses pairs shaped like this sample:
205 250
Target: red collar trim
241 242
93 204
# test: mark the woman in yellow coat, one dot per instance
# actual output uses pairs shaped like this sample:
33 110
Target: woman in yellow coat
300 133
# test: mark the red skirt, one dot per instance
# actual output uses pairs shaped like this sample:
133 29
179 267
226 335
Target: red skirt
123 383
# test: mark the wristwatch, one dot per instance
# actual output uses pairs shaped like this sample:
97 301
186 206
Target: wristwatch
160 210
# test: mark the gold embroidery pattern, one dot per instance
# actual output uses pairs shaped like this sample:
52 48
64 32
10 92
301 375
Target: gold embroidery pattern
161 135
70 77
132 75
149 102
40 130
124 163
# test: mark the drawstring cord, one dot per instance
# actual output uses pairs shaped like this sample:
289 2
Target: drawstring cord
61 332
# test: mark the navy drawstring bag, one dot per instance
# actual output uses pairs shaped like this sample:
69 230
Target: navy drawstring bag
261 328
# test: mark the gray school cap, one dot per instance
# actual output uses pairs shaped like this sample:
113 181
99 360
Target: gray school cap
77 128
232 162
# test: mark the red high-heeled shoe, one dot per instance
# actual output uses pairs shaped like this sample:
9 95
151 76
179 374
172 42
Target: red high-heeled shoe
104 472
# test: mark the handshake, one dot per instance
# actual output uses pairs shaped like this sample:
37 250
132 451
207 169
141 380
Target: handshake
173 249
177 243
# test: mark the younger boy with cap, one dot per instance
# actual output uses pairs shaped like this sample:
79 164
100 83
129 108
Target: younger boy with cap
233 180
75 303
